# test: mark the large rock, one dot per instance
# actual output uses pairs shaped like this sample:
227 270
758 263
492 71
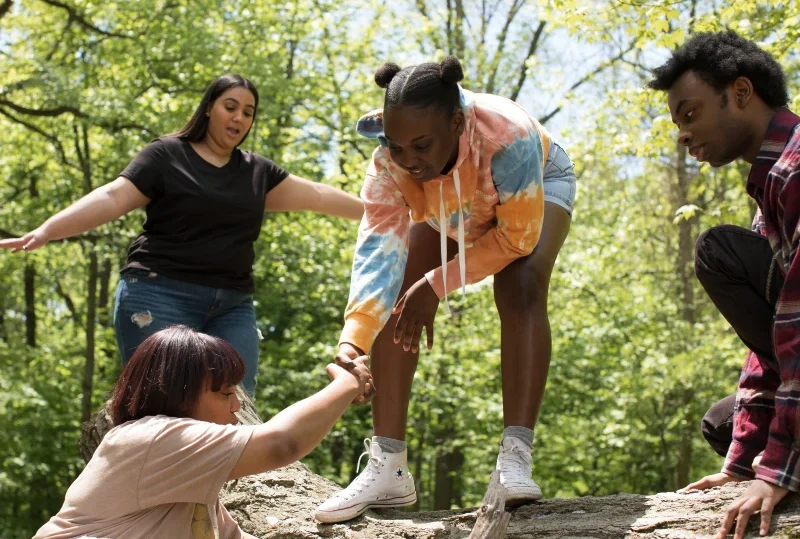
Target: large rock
280 504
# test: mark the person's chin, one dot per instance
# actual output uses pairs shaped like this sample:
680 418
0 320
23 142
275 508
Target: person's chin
718 164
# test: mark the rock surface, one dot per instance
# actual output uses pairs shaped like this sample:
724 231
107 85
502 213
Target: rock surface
280 505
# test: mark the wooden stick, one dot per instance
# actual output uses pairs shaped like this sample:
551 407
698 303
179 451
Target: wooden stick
492 515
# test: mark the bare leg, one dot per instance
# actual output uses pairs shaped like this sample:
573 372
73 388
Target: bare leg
520 292
393 368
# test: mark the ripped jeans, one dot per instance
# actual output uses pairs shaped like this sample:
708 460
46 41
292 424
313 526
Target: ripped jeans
146 302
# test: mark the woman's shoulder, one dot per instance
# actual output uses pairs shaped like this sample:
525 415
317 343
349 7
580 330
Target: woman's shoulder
254 158
503 121
146 428
170 143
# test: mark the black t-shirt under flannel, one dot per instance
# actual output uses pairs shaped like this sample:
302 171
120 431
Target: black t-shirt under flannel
202 220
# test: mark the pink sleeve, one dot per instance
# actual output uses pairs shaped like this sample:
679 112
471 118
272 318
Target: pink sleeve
188 461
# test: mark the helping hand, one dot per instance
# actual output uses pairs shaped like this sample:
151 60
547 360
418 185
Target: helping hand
29 242
417 309
356 363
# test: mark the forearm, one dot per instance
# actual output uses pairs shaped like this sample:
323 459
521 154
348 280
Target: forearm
97 208
336 202
303 425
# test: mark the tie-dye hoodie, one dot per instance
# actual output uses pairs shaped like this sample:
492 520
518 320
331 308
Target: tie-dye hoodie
492 203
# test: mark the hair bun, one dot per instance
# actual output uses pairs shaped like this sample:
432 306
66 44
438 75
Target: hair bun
450 70
385 74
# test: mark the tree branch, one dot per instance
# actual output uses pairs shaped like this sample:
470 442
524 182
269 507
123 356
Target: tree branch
348 140
523 72
80 19
586 78
68 301
5 7
57 44
52 138
422 7
501 42
58 111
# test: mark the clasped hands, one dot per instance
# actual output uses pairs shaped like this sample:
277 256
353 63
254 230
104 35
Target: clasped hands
417 310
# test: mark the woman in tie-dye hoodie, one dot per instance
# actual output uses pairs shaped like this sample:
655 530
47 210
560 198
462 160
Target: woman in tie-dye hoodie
462 186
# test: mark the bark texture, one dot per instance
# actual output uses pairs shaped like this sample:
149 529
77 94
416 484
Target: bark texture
280 504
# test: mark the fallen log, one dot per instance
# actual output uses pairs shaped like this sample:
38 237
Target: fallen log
280 504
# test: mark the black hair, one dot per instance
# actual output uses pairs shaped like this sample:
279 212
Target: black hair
719 58
170 370
422 86
197 126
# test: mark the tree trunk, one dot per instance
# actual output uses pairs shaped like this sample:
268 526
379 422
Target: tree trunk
448 465
30 305
3 334
103 307
684 265
91 318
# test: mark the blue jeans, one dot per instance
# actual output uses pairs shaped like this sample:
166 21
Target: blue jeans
146 302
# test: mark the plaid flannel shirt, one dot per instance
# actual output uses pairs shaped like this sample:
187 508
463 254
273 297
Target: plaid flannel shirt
767 413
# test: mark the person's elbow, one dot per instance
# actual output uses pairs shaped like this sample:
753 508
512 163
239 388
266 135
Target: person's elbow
285 449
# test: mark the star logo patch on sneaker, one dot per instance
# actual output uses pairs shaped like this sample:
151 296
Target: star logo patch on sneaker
399 473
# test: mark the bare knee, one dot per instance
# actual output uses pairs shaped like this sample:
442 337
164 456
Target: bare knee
521 291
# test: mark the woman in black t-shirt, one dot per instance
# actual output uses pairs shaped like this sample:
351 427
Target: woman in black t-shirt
205 201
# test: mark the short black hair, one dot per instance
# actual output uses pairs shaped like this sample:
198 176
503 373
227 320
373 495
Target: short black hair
719 58
170 370
422 86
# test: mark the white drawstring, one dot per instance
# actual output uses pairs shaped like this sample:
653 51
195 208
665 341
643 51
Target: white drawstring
462 256
443 220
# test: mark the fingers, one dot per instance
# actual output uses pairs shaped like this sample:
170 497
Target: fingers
13 243
766 515
362 361
344 362
400 304
330 370
739 512
429 331
730 517
408 336
745 512
399 328
367 395
697 485
415 338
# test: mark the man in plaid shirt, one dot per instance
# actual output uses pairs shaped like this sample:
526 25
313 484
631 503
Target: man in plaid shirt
728 98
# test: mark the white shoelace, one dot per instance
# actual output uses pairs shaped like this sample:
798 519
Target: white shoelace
361 481
515 464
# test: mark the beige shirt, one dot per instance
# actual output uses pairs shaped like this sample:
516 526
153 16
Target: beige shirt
156 477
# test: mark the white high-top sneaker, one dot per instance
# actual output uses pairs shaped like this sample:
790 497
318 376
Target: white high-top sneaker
385 482
514 463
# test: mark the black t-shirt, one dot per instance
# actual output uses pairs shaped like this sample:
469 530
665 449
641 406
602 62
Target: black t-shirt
202 220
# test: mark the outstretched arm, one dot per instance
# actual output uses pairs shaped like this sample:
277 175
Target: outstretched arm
294 432
102 205
297 194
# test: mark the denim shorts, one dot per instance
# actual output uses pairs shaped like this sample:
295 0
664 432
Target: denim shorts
559 178
146 302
